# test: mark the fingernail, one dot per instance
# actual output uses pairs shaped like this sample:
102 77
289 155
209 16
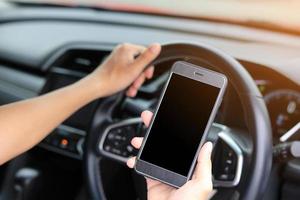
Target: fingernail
130 163
209 147
154 48
134 92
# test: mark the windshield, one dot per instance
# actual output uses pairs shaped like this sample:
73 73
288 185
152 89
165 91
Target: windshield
282 14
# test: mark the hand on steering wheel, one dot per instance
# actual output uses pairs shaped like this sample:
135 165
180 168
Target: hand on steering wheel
199 188
124 68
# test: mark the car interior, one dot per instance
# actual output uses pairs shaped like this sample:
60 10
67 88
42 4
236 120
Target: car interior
46 45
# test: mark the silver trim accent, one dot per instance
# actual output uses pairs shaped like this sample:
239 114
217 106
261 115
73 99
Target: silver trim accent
118 124
63 71
290 133
79 146
84 46
72 130
240 158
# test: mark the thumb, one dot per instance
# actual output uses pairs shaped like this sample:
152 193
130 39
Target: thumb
203 171
147 56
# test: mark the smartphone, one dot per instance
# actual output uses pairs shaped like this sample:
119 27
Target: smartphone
179 126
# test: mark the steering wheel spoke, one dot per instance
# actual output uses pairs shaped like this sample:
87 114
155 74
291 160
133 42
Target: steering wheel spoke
228 159
115 141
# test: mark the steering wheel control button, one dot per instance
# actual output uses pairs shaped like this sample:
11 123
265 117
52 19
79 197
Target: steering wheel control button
227 161
116 151
116 140
129 148
224 162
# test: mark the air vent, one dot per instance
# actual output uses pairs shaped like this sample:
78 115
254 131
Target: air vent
81 60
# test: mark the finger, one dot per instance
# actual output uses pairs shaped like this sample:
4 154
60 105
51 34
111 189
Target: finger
131 162
149 72
147 56
131 49
137 142
131 92
204 169
152 183
146 117
133 89
139 81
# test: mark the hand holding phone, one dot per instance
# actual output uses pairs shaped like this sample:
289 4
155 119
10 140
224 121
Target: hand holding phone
199 188
179 127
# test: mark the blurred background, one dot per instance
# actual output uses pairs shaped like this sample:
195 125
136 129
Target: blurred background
280 13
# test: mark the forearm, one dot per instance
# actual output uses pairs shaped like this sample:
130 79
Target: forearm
24 124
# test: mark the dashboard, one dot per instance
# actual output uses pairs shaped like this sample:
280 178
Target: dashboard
283 107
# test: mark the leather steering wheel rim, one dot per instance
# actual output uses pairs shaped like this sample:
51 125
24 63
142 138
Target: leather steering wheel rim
254 108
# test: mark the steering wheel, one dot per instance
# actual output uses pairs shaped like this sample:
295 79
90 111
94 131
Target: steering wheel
242 161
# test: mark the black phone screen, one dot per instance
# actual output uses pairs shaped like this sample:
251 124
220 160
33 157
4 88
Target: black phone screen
179 124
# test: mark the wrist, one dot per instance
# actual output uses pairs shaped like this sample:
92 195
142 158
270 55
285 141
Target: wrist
93 86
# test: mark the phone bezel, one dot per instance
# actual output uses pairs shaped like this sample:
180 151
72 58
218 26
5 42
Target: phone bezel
196 73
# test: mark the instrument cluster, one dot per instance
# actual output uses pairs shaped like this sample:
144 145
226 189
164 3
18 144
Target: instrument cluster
283 106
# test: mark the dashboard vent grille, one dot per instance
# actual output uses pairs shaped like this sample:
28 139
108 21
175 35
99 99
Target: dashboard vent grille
81 60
